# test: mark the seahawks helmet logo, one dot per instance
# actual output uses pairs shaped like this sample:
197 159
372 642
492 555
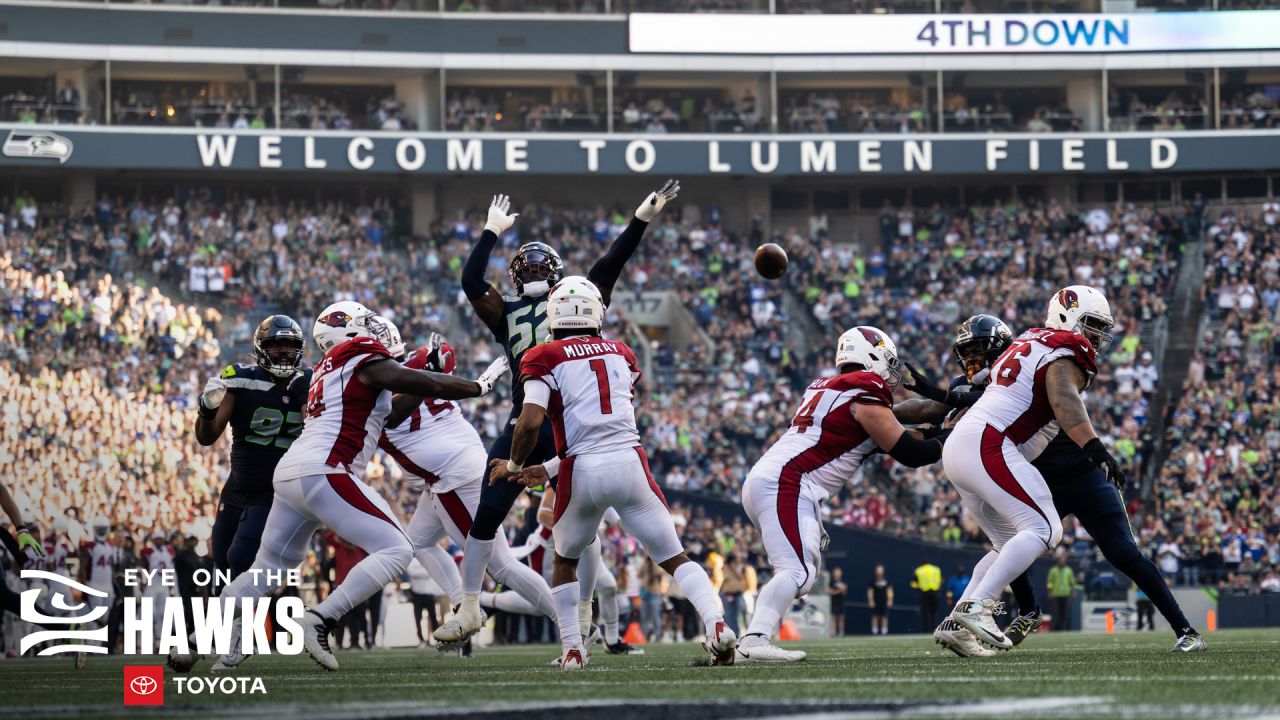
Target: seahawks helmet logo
37 144
873 337
1068 299
336 319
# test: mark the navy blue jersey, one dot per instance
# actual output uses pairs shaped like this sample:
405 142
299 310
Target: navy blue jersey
266 419
1062 459
526 326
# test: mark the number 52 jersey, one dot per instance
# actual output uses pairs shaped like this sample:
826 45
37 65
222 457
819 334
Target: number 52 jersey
267 418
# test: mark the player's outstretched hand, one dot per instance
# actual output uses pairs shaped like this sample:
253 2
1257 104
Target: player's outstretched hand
657 200
1101 457
29 543
437 355
920 385
492 374
500 219
214 392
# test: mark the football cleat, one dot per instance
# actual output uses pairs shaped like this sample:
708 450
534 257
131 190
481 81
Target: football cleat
231 660
959 640
1190 641
315 638
978 617
574 659
466 621
1022 626
621 648
464 649
721 643
593 636
758 649
182 662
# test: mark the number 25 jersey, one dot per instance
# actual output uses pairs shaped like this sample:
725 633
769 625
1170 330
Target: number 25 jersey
1016 401
825 445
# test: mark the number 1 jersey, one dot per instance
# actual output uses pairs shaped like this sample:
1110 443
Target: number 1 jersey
591 381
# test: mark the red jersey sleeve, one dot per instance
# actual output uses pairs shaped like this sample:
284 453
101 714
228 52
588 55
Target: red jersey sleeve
871 389
538 361
1082 351
368 347
632 364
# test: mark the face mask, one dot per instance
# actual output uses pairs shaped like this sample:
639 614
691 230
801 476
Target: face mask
537 287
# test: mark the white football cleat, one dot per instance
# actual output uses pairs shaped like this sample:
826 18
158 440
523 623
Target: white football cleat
959 640
231 660
315 638
758 649
575 659
721 642
978 617
466 621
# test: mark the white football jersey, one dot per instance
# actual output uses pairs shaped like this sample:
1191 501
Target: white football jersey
160 558
825 445
1016 401
54 560
591 381
344 416
103 557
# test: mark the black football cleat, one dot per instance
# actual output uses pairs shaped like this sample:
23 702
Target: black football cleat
621 648
1023 625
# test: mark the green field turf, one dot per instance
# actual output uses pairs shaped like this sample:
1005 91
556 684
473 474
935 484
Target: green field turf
1053 676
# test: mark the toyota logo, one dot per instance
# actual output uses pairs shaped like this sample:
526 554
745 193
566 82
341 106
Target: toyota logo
144 685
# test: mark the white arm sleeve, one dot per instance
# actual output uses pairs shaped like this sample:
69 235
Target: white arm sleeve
537 392
552 466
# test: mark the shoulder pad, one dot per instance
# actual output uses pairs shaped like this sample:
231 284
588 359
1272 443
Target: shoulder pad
228 372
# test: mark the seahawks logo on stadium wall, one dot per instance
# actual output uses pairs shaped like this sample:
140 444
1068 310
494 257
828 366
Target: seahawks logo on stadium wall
82 614
1068 299
38 144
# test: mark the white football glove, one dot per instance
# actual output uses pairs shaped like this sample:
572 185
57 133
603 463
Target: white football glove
499 220
491 375
214 391
657 200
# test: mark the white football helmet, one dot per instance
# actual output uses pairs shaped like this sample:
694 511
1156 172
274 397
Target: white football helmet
873 349
1084 310
575 303
341 322
393 342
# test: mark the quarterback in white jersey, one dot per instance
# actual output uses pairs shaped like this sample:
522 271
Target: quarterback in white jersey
583 383
1034 388
318 481
840 421
438 446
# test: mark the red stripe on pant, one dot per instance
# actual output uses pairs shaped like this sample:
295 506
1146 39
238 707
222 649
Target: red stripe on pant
564 487
992 451
457 510
347 489
789 514
653 485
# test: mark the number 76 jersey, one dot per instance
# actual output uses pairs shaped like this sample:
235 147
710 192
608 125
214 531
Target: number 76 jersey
825 445
1016 401
591 381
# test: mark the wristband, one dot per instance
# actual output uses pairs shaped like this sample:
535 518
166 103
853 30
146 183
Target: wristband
931 432
204 412
942 435
1096 451
513 468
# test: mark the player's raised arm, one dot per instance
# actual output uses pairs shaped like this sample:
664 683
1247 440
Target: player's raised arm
416 385
215 408
483 296
608 269
890 436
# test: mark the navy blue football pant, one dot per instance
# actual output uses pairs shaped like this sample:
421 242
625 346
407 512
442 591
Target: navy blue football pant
1100 509
496 499
237 532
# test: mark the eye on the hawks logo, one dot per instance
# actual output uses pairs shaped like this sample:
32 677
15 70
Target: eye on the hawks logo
336 319
1068 299
873 337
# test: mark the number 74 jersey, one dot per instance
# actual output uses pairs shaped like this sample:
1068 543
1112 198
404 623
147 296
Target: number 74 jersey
1016 401
591 381
825 445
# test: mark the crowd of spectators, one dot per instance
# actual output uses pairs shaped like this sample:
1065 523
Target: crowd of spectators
870 111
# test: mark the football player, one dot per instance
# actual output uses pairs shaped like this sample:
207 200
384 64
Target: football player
318 481
583 384
840 421
1078 488
439 447
519 323
26 548
263 404
1035 387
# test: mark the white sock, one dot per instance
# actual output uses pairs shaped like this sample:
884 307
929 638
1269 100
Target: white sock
508 601
775 597
693 580
440 566
1015 557
368 576
588 570
609 611
520 577
476 555
584 615
566 602
979 572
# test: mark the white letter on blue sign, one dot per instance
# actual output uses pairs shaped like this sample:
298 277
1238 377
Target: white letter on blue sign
996 151
714 164
593 153
764 166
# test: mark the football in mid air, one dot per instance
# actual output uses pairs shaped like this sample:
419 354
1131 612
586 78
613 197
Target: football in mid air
771 261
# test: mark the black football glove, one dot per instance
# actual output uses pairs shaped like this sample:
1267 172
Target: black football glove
920 385
1101 457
